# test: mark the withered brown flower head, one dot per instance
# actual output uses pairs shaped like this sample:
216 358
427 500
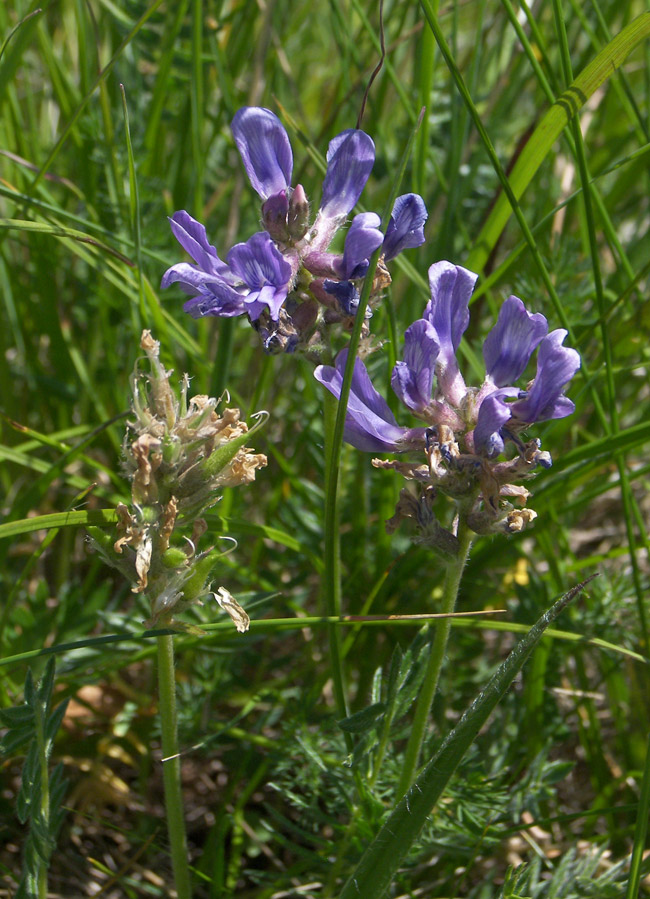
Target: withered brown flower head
178 453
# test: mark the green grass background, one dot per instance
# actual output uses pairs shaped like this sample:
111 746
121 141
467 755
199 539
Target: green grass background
84 240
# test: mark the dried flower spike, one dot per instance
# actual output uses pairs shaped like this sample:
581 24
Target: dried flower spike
178 453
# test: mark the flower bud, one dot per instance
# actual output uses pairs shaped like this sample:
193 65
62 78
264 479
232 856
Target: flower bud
298 217
274 216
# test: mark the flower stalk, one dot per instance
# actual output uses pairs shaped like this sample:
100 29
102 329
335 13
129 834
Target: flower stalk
332 558
41 738
435 661
172 767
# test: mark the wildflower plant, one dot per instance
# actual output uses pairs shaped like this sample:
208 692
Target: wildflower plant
179 454
471 439
285 278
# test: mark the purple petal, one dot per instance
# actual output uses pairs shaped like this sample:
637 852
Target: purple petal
267 297
361 241
274 216
448 312
412 379
264 148
493 414
258 261
512 341
212 294
192 236
369 424
220 300
346 294
406 226
556 365
260 265
189 277
350 158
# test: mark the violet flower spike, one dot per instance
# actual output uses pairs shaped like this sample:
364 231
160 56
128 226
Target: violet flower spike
464 443
265 149
406 226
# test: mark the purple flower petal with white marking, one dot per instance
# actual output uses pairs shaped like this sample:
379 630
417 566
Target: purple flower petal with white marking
493 414
361 241
350 158
556 365
264 270
406 226
369 423
448 312
412 379
512 341
264 148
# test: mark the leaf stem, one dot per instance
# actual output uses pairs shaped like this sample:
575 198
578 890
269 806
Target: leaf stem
435 661
172 766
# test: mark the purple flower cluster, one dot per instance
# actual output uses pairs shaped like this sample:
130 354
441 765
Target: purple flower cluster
467 428
284 278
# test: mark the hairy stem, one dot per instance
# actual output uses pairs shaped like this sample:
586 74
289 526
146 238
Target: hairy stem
172 766
435 661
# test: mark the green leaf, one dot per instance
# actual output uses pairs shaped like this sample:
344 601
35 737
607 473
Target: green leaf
58 520
363 720
29 791
382 858
20 714
394 675
46 684
29 688
16 739
567 105
54 721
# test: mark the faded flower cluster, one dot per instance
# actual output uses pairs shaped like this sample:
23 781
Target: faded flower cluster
472 439
180 453
284 278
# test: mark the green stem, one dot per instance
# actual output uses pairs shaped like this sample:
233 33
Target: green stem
434 663
332 577
45 793
172 766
